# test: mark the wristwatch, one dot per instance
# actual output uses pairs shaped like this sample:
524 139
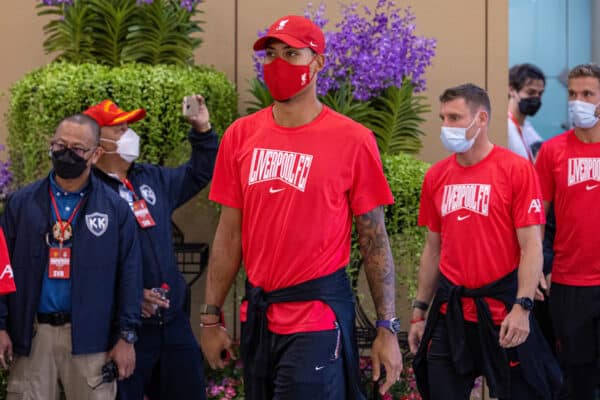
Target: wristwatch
393 325
210 309
525 302
130 336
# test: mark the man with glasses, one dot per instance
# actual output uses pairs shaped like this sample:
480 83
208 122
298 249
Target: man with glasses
77 264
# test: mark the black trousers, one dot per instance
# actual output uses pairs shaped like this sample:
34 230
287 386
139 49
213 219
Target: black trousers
303 366
169 364
575 312
447 384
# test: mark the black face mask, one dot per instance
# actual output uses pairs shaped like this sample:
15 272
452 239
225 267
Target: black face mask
67 164
530 105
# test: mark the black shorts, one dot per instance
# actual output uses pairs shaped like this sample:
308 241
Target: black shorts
306 365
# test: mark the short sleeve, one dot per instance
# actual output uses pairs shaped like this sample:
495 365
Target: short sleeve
428 215
226 186
370 188
543 166
527 207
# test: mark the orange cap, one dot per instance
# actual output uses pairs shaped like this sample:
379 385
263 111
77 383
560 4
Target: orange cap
108 113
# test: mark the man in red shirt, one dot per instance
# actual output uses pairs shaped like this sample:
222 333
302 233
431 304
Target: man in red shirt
569 169
483 210
290 177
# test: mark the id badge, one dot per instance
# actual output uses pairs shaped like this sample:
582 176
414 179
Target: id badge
59 265
142 214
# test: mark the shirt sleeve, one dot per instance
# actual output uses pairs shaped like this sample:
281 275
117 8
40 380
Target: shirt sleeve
428 215
527 207
370 188
226 185
543 166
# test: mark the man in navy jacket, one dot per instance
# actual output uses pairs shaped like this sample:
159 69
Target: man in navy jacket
77 265
169 361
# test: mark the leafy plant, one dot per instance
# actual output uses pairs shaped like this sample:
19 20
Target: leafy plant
113 32
45 96
395 119
405 176
161 34
262 97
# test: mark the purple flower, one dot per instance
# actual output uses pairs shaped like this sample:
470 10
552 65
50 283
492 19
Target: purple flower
6 178
370 50
57 2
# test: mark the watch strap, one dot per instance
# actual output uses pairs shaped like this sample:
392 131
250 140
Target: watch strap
210 309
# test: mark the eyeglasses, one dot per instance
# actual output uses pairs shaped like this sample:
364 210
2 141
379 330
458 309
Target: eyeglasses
59 146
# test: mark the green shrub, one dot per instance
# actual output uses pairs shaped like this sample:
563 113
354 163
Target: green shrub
405 177
42 98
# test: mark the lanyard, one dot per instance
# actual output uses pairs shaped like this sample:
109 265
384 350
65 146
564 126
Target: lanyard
129 187
64 226
527 149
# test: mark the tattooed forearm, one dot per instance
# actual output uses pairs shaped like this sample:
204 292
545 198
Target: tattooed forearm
378 262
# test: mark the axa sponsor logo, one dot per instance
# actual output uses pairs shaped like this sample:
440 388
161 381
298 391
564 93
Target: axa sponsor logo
286 166
7 272
473 197
535 206
584 170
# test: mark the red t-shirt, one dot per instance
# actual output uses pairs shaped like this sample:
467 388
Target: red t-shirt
569 172
476 210
298 189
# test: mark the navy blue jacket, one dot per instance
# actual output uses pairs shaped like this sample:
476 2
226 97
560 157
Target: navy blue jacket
106 271
165 189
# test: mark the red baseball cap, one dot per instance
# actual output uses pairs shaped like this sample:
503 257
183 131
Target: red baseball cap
295 31
108 113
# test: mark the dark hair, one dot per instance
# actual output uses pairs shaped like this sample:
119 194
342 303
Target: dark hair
82 119
473 95
520 74
585 70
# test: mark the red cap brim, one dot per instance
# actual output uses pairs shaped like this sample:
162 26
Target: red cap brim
261 43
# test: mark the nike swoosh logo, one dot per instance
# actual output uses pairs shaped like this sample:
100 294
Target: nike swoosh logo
313 44
591 187
272 191
513 364
318 368
462 217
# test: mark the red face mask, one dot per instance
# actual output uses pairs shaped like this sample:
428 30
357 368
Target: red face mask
285 80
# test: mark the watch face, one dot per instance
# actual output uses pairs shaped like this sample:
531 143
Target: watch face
396 325
526 303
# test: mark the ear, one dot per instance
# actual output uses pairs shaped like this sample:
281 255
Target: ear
98 152
319 62
484 117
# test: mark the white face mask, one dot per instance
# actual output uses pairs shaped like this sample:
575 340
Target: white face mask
128 146
455 139
582 114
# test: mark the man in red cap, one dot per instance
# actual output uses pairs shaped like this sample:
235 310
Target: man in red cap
169 361
289 179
